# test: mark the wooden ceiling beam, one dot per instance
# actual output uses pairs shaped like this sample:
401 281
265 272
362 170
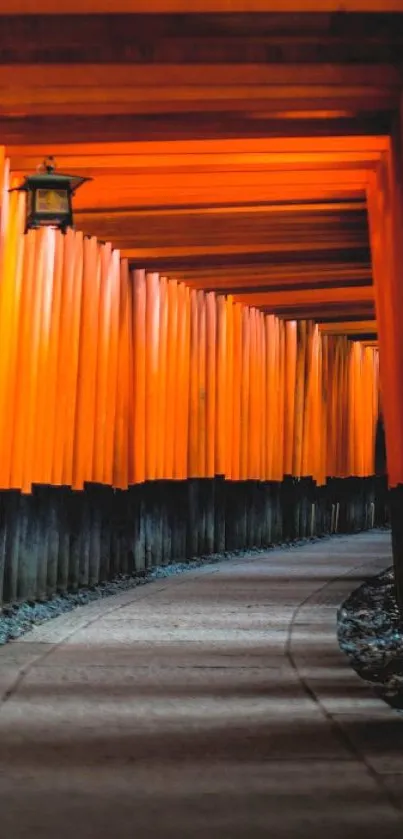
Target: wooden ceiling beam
136 244
348 327
85 7
297 298
251 288
337 312
299 211
66 128
194 188
269 145
172 75
104 200
229 250
249 279
353 256
97 165
275 101
288 270
195 180
140 38
191 225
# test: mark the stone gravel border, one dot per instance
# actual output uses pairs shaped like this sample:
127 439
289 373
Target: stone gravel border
370 633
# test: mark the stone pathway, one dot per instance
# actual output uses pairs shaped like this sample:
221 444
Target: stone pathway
215 704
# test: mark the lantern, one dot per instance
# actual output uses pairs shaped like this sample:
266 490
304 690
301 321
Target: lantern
49 195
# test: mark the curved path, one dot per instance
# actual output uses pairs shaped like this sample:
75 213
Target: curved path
215 704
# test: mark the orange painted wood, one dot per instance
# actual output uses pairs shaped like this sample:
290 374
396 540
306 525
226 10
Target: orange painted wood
385 196
245 394
10 290
171 395
101 385
289 406
251 421
202 386
64 348
182 431
121 441
24 351
300 396
139 375
263 400
331 397
162 369
193 463
351 415
306 452
43 431
14 295
221 388
33 409
183 406
53 357
230 386
211 374
87 356
118 379
152 373
73 313
199 6
271 394
279 450
259 454
111 404
237 392
319 426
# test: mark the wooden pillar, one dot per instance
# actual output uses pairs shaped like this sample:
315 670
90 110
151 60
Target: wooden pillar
385 199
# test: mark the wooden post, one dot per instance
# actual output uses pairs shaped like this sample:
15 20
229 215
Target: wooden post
220 537
385 198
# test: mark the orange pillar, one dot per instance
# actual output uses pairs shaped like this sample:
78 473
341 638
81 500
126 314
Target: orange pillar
183 387
300 396
101 385
162 390
139 375
11 270
385 199
193 463
221 388
87 356
245 394
211 370
202 386
23 367
236 393
152 373
121 437
290 382
230 364
171 374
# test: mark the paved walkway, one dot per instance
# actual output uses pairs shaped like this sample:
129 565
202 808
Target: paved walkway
215 704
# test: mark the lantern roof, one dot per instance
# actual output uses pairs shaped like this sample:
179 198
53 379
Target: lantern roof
47 173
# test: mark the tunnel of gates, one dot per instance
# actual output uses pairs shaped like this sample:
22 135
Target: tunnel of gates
143 421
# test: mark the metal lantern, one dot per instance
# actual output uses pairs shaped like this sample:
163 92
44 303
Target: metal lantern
49 195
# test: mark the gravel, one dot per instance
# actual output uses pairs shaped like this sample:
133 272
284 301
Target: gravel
371 634
19 618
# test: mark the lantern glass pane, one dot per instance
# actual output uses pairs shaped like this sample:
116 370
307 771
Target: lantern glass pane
52 201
